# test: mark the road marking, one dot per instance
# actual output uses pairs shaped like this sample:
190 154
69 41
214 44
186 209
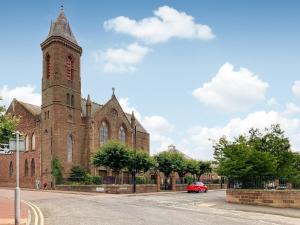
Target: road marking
37 213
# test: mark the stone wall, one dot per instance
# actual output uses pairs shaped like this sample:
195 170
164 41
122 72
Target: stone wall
111 189
273 198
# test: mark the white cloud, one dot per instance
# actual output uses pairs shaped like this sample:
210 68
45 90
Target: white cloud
272 102
22 93
167 23
159 128
121 60
292 108
198 140
232 90
296 88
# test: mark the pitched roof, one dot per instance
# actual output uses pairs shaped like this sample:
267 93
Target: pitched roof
33 109
61 27
95 107
139 126
172 148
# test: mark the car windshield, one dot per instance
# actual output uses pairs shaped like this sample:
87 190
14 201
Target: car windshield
198 183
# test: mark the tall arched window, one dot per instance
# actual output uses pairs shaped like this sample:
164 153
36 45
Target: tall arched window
68 99
32 168
11 169
70 143
122 135
33 141
26 168
26 143
70 68
72 100
48 66
103 133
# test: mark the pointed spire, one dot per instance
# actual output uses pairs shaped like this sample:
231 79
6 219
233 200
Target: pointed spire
88 107
61 27
88 101
132 119
113 92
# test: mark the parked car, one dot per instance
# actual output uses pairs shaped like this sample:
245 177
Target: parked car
197 187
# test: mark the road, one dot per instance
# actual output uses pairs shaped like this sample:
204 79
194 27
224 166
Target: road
151 209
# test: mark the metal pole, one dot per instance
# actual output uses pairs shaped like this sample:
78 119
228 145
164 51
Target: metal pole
17 191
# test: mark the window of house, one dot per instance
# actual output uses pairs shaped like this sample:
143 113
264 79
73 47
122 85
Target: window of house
122 135
68 99
48 66
103 133
26 143
70 143
26 168
70 68
72 100
11 169
32 168
33 141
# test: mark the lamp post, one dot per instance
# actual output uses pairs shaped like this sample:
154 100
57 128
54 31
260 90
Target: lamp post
17 190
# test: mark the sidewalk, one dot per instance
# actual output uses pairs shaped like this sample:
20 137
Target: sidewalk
7 212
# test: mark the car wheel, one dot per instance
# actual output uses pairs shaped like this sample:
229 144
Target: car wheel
205 191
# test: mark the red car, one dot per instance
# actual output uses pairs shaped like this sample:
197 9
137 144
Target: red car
197 187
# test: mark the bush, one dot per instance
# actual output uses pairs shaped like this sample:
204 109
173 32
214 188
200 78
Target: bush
189 179
78 174
56 171
90 179
141 180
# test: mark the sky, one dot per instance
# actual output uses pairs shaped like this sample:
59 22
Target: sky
192 71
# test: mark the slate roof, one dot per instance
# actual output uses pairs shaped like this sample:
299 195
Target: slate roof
95 107
61 28
34 109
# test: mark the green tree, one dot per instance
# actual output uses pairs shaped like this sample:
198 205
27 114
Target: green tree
113 155
192 166
8 125
56 170
140 161
204 167
78 174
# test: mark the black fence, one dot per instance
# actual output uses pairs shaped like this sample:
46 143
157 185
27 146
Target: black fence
271 183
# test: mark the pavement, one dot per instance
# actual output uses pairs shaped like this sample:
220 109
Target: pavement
180 208
7 212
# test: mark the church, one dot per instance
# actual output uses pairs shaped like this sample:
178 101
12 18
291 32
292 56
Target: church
66 126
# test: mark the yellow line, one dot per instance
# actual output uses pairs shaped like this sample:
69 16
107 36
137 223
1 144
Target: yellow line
39 217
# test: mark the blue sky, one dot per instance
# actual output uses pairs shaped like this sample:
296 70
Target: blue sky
186 87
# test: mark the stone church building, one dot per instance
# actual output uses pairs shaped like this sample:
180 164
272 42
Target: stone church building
66 126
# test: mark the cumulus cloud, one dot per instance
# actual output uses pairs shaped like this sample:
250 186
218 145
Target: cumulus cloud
166 23
159 127
232 90
198 139
296 88
23 93
121 60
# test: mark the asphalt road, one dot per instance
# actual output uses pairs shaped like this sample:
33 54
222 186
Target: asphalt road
151 209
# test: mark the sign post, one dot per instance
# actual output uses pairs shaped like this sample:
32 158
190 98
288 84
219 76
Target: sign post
17 145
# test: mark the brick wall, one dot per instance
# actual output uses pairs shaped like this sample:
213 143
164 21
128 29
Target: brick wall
274 198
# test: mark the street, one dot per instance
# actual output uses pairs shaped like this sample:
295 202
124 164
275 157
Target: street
150 209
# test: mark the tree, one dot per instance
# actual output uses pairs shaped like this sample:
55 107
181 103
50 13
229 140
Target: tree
8 125
169 162
56 170
140 161
113 155
78 174
204 167
219 148
192 166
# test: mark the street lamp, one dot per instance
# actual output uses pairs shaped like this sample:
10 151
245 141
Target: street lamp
17 145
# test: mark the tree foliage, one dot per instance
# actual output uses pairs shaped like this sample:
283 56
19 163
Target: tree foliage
56 170
8 125
170 161
204 167
258 154
140 161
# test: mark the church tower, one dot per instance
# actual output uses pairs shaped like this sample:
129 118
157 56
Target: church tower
61 98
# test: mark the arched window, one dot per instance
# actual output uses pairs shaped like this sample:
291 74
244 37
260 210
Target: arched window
103 133
72 100
33 141
26 143
26 168
122 135
48 66
70 142
32 168
70 68
11 169
68 99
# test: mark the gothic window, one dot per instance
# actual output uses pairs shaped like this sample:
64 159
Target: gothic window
26 143
103 133
70 143
122 135
48 66
33 141
11 169
70 65
32 168
72 100
26 168
68 99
